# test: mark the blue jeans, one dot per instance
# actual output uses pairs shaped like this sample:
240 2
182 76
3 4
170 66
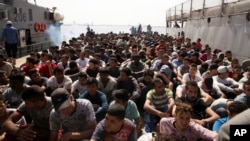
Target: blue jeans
152 120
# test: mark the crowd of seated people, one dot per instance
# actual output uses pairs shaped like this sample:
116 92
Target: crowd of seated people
122 87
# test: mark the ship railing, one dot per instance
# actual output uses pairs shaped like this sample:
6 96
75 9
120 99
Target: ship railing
200 9
26 50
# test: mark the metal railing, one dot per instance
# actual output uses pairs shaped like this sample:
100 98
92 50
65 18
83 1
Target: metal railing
26 50
196 9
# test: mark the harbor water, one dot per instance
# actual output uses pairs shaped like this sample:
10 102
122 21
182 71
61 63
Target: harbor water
69 31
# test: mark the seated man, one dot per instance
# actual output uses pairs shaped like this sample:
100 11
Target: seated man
73 70
212 71
115 127
208 86
80 85
128 82
219 106
192 74
4 114
97 98
113 67
145 83
182 69
92 68
46 68
181 127
245 96
36 79
122 97
233 108
30 64
59 80
82 61
181 91
75 118
38 106
106 83
228 86
12 95
158 104
137 66
240 119
202 113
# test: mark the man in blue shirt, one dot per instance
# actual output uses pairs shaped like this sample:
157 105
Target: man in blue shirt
97 98
10 37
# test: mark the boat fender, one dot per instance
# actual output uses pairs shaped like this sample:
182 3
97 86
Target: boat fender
37 27
43 27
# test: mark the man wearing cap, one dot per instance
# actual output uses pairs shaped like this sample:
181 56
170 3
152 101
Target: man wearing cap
38 106
228 86
74 118
10 37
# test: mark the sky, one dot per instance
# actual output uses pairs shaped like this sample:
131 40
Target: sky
112 12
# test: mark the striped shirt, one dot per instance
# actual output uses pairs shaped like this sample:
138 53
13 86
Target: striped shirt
159 101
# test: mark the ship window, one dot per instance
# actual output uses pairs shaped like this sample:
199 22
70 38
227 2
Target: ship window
45 15
208 20
51 16
248 16
30 15
3 15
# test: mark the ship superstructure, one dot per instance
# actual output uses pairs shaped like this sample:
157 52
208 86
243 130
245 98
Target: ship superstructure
223 24
33 22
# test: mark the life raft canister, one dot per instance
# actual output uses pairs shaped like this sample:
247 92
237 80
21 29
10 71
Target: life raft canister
43 27
37 27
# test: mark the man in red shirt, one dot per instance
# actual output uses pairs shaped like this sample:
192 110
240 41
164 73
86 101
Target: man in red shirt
30 64
46 70
198 44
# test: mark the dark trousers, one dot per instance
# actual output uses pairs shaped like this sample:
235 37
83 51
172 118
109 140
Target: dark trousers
11 49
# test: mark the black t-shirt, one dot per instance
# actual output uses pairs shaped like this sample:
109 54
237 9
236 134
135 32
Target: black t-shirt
199 107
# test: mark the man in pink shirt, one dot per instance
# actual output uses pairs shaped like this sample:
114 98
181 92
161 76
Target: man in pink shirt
182 128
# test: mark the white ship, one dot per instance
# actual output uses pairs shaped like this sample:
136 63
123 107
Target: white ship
223 24
41 24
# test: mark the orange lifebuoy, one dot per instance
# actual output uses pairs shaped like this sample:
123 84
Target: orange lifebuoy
37 27
43 27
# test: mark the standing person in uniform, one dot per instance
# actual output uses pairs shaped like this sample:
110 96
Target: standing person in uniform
10 37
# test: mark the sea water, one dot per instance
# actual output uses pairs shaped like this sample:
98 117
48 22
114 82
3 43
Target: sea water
69 31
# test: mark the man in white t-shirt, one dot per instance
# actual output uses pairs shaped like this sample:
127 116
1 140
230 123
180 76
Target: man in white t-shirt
75 118
82 61
79 86
59 80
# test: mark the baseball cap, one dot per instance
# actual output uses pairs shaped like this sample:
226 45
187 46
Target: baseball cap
60 98
9 22
222 69
174 54
166 70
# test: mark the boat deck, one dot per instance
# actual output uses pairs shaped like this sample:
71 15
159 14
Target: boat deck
21 60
